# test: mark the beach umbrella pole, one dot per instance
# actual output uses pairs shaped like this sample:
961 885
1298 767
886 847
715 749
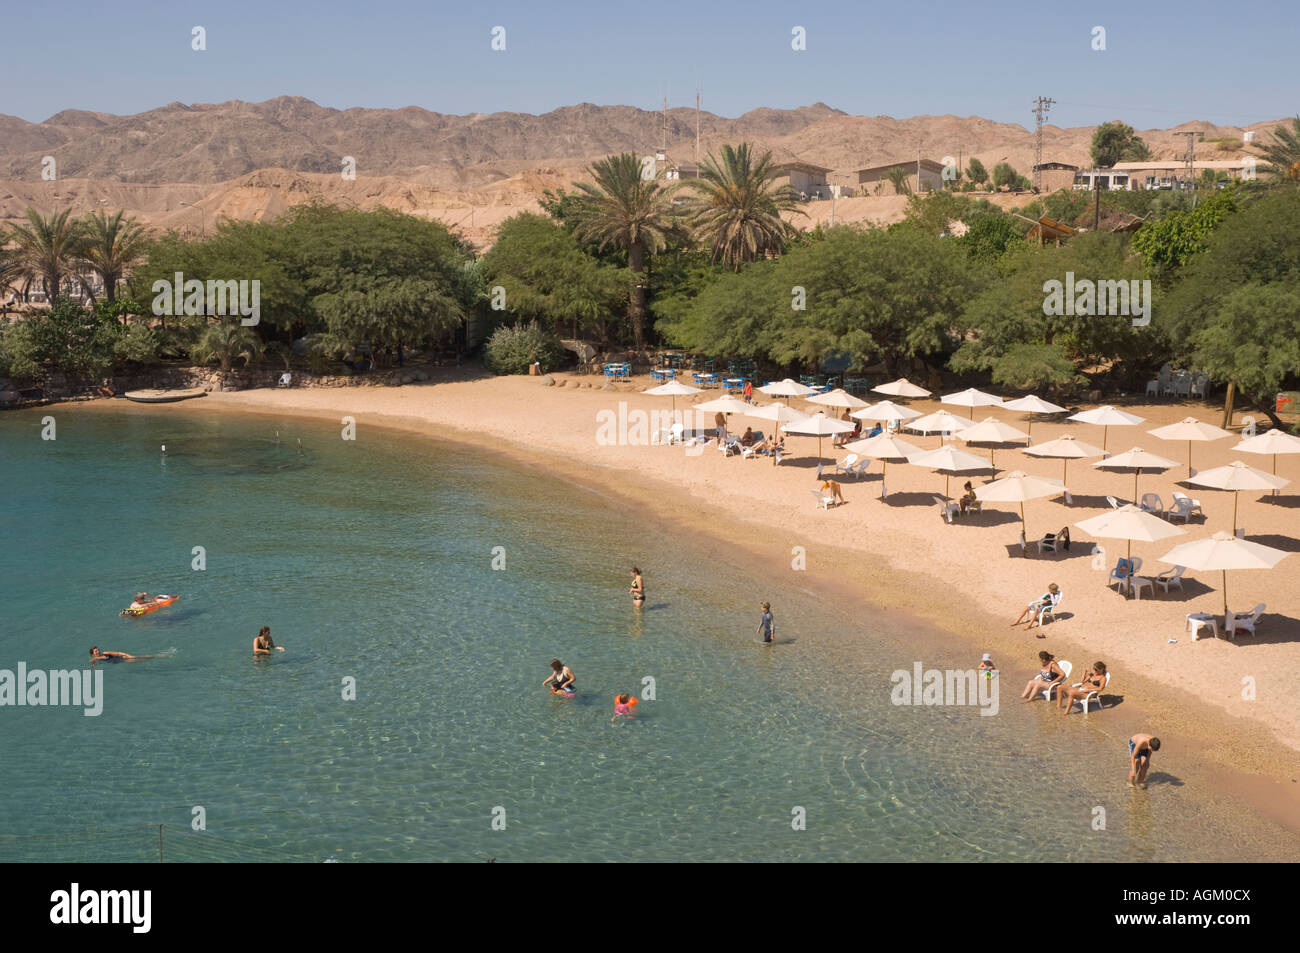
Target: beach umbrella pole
1234 512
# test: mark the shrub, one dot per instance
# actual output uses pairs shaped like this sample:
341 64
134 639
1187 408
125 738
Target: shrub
512 348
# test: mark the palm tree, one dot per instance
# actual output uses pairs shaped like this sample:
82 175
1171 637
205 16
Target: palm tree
737 208
112 247
224 342
897 177
47 248
630 212
1283 153
10 271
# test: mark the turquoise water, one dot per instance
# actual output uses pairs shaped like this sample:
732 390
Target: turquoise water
373 560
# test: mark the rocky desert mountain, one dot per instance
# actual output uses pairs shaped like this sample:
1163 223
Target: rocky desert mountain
187 166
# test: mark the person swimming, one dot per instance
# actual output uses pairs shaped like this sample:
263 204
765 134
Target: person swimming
264 644
638 588
623 705
142 601
97 656
562 678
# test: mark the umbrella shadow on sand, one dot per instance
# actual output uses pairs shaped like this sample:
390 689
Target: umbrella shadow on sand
911 499
1096 502
1077 549
1289 502
989 518
1271 630
1285 543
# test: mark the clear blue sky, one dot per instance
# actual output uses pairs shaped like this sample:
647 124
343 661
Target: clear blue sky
1164 63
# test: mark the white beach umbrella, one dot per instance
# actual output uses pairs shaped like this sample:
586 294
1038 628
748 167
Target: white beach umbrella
818 425
1136 460
673 389
1273 441
991 430
1189 429
1130 522
939 422
970 397
948 460
883 447
901 388
724 405
1031 405
787 389
1221 552
1106 417
777 413
1237 476
1016 487
886 410
1065 448
838 398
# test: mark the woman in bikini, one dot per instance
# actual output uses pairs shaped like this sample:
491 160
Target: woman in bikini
638 588
1050 674
1094 681
264 644
560 679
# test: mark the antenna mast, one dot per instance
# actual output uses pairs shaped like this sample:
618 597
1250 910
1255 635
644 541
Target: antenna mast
697 127
1041 105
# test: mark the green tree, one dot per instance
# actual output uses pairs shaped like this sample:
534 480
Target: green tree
1004 174
736 206
988 237
226 342
48 248
976 172
113 245
68 337
1175 239
1252 341
935 212
546 276
622 209
512 348
1282 154
1034 367
1117 142
897 176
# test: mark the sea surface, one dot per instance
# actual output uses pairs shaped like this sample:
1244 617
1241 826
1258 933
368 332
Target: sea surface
372 560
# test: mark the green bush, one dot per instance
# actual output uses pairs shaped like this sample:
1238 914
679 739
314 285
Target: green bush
512 348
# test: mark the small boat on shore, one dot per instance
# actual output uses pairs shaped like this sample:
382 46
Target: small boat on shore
163 396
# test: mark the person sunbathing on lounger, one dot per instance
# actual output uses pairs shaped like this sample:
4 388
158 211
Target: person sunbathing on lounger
1048 675
1094 681
1049 598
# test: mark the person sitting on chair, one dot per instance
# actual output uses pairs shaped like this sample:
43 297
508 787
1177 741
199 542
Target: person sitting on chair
748 438
967 498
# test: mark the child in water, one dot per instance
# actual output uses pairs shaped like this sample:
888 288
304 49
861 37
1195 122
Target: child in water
623 705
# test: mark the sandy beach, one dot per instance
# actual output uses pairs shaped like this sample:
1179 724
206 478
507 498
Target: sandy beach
898 555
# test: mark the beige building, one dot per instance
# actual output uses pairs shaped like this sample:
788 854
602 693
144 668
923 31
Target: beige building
808 180
931 177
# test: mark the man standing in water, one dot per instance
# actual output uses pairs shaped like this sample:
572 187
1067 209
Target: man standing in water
1140 748
766 624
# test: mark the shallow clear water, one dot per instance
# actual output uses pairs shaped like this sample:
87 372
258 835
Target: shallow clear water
373 560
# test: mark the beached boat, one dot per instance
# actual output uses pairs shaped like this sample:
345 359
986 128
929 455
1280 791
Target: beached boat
154 606
163 396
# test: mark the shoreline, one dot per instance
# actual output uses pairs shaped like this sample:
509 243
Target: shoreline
1226 747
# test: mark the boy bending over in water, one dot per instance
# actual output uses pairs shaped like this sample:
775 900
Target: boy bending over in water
1139 758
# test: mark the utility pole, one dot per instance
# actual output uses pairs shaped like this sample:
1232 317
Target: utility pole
697 128
1189 160
1041 105
918 170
